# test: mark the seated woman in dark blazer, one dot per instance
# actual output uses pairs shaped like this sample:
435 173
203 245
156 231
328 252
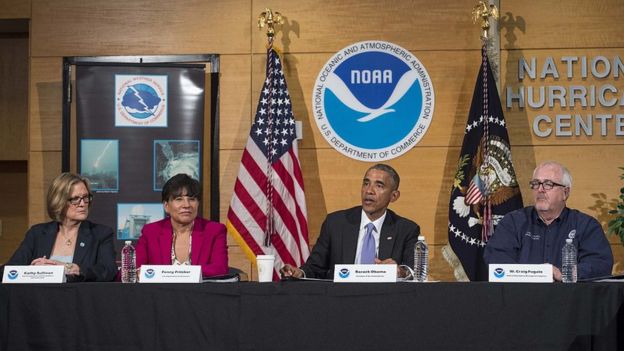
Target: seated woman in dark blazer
84 248
183 238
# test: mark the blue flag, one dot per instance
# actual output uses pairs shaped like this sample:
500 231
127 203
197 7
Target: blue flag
485 186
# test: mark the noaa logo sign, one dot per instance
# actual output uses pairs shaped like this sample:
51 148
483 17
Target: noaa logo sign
373 101
343 273
12 275
499 272
140 100
149 273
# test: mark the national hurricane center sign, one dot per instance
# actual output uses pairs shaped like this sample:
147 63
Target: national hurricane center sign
373 101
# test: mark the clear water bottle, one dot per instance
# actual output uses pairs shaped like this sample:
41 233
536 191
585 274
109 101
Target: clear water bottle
421 260
128 263
568 262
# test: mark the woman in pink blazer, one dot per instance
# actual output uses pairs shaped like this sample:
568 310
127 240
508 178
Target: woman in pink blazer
182 238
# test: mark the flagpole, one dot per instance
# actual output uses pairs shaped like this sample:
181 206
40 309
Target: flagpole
483 13
483 189
269 19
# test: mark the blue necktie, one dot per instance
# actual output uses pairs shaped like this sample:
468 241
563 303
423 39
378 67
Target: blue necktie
368 246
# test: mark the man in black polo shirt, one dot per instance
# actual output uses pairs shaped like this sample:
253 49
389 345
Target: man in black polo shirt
536 234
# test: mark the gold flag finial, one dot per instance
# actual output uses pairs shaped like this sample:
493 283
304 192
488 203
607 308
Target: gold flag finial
270 19
481 12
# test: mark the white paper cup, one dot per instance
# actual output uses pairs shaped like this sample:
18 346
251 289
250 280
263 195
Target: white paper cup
265 267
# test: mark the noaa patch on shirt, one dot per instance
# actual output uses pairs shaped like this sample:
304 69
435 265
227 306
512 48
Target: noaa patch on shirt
373 101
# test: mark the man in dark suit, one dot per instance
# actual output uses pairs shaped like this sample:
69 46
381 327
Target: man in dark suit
347 236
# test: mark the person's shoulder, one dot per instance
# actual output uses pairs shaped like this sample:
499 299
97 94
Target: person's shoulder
520 214
97 229
398 219
154 226
345 213
42 227
208 224
39 229
576 213
581 217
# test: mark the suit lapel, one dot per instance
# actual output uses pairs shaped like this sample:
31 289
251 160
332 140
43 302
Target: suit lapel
350 234
165 240
49 238
83 242
387 237
197 241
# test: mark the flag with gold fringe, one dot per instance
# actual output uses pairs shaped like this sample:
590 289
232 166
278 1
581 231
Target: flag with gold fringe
485 186
267 213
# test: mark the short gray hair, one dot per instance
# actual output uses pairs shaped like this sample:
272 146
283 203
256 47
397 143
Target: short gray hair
566 178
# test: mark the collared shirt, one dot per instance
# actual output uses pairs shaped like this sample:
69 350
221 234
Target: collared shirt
378 223
522 237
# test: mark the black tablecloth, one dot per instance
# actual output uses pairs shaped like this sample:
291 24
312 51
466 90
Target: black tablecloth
312 316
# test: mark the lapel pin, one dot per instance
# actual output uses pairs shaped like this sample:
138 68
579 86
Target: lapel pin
389 238
82 244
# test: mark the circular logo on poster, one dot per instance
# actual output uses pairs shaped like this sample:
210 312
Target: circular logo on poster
373 101
140 101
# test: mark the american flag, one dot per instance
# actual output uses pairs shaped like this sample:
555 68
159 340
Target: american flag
267 213
475 191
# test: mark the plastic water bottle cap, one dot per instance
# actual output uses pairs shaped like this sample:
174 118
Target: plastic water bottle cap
569 241
128 242
421 238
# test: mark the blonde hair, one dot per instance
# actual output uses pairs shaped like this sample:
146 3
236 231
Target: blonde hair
59 192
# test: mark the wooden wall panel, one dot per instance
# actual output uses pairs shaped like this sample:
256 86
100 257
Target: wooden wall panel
595 185
453 74
237 259
12 9
229 164
46 95
14 98
141 27
237 103
520 120
13 221
561 24
42 168
327 26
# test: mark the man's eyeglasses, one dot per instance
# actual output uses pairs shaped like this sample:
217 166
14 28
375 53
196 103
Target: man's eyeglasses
76 199
547 184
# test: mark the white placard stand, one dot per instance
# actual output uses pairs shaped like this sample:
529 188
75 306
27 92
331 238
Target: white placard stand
170 274
365 273
521 273
33 274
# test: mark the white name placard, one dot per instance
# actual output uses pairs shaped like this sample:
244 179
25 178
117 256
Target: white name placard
365 273
170 274
33 274
521 273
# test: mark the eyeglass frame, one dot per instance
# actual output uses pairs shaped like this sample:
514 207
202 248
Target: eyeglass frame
75 201
537 184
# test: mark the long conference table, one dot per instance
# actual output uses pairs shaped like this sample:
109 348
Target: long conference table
303 315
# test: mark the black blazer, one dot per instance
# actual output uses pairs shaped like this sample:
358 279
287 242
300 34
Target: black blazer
94 252
337 243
